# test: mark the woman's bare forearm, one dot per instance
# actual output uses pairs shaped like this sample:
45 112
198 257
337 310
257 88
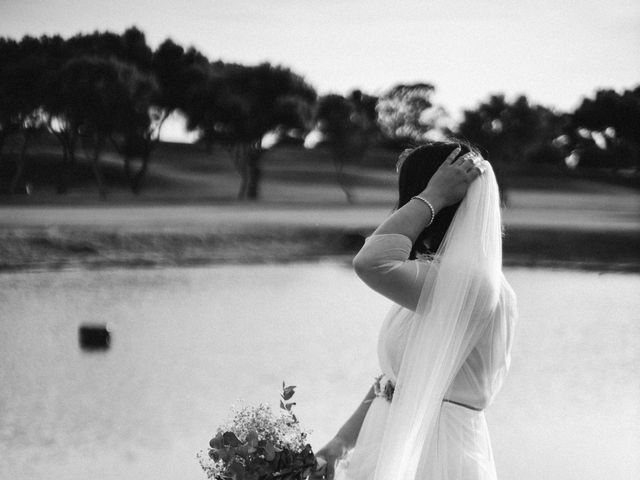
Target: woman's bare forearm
343 441
348 433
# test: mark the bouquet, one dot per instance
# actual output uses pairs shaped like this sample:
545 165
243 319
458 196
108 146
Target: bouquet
260 445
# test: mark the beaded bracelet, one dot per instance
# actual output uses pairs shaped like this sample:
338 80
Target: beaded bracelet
428 204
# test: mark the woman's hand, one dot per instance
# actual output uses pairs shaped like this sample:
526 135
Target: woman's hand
327 457
452 179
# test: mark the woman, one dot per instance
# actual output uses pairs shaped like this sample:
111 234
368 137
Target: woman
444 347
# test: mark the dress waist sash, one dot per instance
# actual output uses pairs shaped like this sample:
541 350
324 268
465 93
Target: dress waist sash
385 387
464 405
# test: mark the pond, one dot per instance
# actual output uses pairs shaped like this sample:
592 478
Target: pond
189 342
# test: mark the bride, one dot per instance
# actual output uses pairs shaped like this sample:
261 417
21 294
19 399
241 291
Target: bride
444 347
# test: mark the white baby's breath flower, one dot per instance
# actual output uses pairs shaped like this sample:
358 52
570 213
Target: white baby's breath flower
281 429
273 431
212 468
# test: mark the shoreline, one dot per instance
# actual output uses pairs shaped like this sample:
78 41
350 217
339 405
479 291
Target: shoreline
63 248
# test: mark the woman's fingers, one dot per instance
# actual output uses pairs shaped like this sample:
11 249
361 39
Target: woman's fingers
465 160
452 156
331 470
469 163
474 173
321 469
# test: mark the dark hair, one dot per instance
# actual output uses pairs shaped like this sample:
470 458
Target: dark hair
414 174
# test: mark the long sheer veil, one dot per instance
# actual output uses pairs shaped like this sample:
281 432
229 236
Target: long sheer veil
460 298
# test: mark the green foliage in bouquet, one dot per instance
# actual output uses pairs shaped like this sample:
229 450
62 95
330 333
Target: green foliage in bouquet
258 445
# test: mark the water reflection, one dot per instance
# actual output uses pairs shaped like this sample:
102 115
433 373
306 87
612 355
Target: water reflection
190 342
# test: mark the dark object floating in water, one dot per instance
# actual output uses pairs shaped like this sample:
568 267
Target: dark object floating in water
94 337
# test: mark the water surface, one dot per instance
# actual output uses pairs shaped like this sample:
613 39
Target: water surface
189 342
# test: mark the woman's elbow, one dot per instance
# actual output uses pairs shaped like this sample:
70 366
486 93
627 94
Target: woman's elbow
362 265
367 267
357 264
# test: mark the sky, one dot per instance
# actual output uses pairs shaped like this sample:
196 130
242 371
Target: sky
555 52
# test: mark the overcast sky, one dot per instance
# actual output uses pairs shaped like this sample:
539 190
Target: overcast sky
552 50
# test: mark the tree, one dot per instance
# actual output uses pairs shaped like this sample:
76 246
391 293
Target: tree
208 105
34 91
510 132
22 93
129 47
605 130
175 71
236 105
57 52
105 99
407 114
8 105
346 124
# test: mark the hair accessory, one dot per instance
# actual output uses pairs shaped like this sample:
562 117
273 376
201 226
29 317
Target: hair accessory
480 164
428 204
384 387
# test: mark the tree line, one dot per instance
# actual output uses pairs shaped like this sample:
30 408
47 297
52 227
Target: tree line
103 90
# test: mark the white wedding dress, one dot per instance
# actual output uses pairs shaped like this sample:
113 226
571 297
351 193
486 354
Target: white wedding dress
446 351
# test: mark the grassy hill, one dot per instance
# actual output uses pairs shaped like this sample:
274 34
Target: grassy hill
187 212
187 172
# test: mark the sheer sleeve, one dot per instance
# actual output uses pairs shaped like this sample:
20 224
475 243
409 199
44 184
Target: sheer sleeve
383 264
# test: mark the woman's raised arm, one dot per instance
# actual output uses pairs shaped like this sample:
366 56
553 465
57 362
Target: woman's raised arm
383 262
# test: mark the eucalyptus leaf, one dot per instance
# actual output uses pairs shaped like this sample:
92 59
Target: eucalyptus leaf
237 471
243 451
229 438
216 442
226 453
252 438
269 451
288 392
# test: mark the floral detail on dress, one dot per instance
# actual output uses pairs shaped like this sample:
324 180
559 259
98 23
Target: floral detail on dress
384 387
425 257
